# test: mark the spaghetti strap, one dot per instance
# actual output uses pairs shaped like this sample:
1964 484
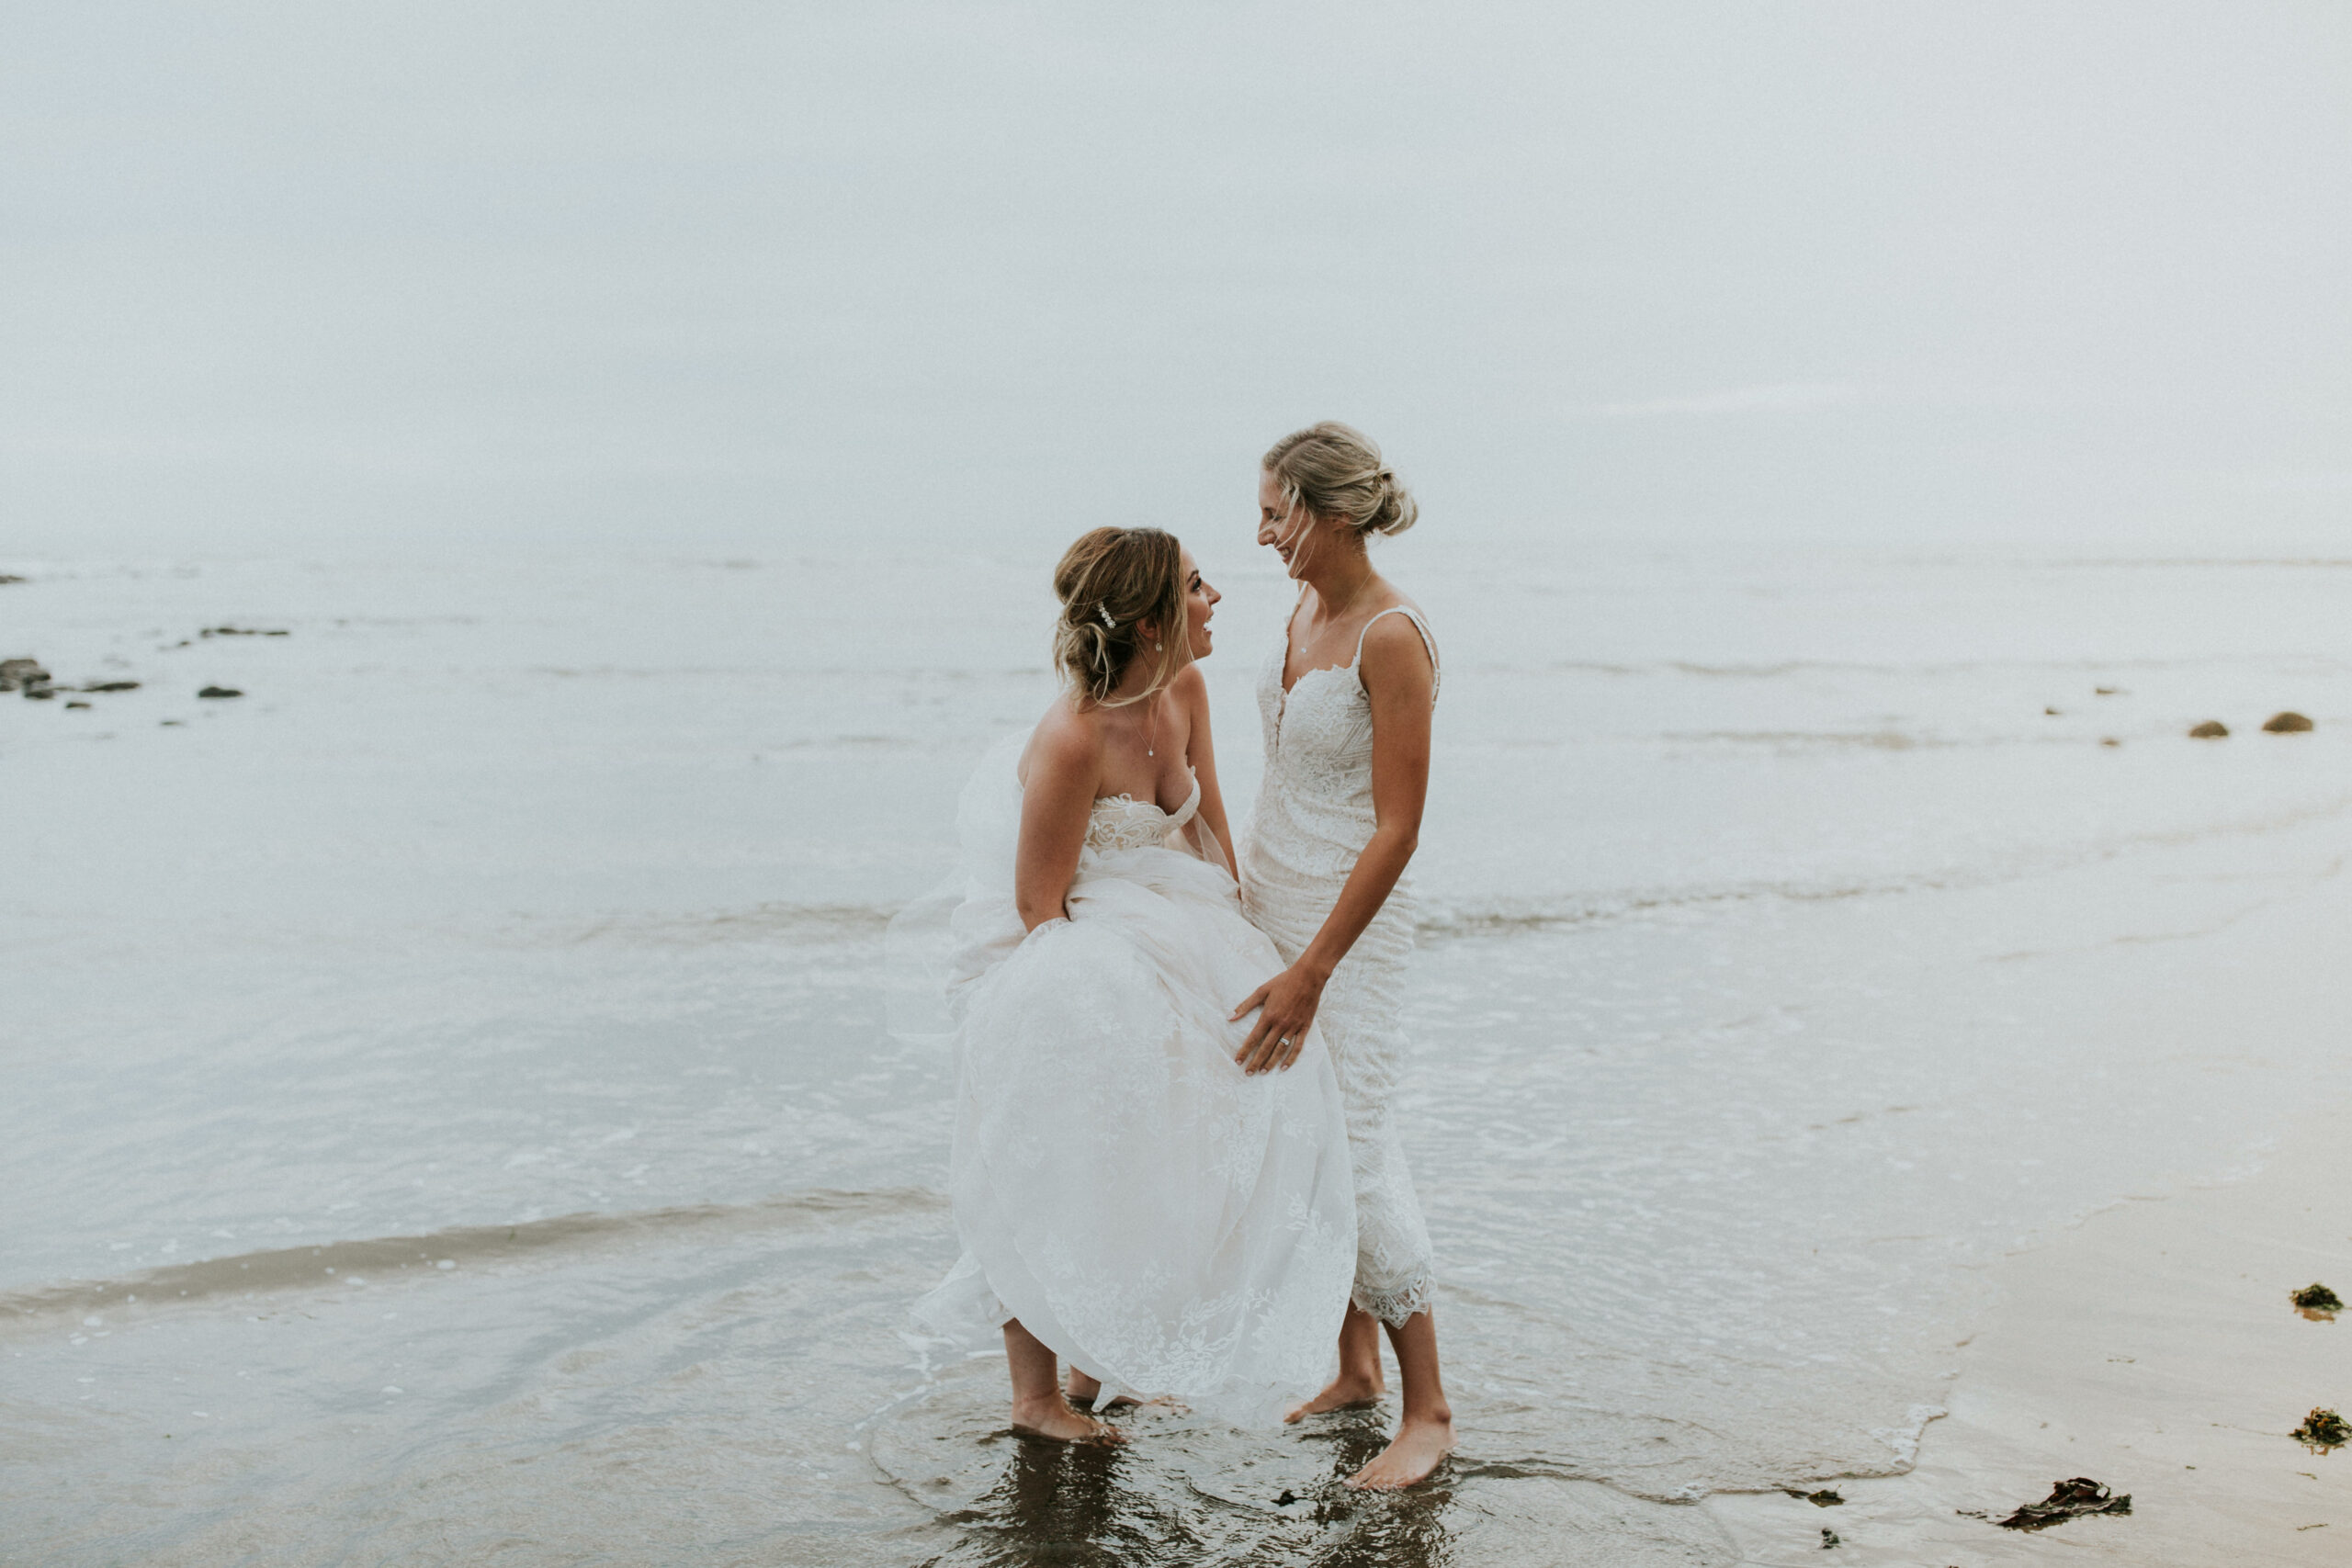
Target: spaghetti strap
1437 672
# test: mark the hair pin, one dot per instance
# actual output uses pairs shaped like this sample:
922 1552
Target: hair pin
1104 611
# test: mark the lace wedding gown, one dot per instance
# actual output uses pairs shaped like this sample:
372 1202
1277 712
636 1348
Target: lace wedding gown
1314 817
1163 1222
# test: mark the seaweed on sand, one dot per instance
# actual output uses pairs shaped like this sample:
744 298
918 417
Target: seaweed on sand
2067 1500
2323 1429
1824 1499
2315 1301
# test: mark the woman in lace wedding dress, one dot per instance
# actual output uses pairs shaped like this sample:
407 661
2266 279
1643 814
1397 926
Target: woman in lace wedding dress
1132 1199
1345 705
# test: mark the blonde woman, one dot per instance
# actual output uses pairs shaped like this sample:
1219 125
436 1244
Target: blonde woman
1345 704
1133 1200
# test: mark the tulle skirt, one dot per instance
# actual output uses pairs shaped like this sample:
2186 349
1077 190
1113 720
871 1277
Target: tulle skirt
1164 1223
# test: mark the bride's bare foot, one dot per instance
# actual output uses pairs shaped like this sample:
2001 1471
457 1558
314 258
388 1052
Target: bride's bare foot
1347 1393
1410 1455
1053 1419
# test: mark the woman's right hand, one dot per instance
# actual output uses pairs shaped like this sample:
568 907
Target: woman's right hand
1286 1007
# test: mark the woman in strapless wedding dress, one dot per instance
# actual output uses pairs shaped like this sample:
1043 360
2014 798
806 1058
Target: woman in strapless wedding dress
1344 703
1132 1200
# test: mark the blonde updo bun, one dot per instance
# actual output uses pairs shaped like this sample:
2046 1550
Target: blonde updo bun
1336 470
1110 582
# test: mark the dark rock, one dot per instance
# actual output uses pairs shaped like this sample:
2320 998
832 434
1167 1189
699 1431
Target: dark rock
1829 1538
240 631
112 686
2289 723
77 704
21 672
2323 1429
6 577
2067 1500
173 724
2052 712
2107 691
41 693
2212 729
2109 741
1286 1499
1826 1498
219 692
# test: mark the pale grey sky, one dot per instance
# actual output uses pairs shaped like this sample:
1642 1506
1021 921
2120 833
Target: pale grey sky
743 276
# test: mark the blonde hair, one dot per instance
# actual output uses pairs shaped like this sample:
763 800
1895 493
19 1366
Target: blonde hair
1111 581
1335 470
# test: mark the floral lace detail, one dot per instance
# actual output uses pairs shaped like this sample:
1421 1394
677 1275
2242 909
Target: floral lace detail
1123 822
1312 817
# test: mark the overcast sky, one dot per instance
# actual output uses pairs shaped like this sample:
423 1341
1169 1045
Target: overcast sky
701 276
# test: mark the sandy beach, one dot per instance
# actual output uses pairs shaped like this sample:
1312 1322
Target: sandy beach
2152 1349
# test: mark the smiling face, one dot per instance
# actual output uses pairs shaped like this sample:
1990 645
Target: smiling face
1200 603
1288 530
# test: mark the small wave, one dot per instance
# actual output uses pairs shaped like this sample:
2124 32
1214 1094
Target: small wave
761 922
1774 668
1878 740
2096 562
1442 920
307 1267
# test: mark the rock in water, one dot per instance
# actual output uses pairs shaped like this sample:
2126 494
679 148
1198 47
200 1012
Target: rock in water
2212 729
219 692
26 673
2289 723
2067 1500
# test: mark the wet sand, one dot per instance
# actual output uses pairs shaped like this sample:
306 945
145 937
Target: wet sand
2154 1348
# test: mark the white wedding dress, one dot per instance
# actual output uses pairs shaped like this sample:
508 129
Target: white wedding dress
1314 817
1163 1222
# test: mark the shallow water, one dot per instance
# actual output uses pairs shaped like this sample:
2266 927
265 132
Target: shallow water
1784 961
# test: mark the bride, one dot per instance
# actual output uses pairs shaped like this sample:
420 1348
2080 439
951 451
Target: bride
1345 702
1133 1198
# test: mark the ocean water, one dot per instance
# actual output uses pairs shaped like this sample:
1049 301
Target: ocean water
468 1047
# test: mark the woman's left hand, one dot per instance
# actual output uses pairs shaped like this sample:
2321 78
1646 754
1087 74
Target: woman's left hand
1286 1004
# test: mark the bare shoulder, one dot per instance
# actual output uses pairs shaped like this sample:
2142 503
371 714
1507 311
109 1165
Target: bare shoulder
1065 742
1190 688
1390 636
1395 656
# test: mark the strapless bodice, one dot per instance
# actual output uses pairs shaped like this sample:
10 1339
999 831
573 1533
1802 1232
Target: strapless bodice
1123 822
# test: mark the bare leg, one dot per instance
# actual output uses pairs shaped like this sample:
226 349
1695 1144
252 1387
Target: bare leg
1038 1408
1426 1433
1358 1382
